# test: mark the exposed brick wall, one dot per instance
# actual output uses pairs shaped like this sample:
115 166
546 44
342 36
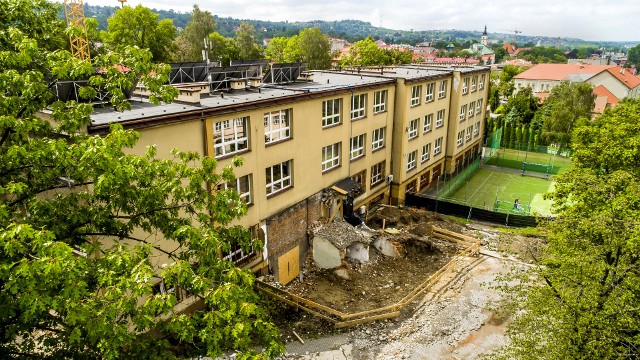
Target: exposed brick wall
289 228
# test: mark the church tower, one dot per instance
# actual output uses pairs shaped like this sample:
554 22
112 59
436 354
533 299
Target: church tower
485 40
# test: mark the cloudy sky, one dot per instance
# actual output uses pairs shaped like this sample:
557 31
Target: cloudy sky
585 19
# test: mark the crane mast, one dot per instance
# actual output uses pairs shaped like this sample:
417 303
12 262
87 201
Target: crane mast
74 12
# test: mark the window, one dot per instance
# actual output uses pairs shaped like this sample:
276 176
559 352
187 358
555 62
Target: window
242 185
412 187
429 92
379 101
468 136
237 255
330 156
437 146
479 107
474 81
277 126
358 104
424 180
377 173
278 177
415 95
361 178
426 152
427 123
230 136
481 83
331 112
413 128
465 86
357 147
460 137
377 139
442 91
411 160
472 107
440 118
476 129
463 112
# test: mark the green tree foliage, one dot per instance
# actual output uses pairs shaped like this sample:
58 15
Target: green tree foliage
633 57
367 53
568 105
222 49
36 19
314 47
581 299
246 42
79 217
524 103
276 51
190 41
542 55
140 27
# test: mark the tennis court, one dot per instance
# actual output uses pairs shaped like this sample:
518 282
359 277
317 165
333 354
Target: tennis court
488 188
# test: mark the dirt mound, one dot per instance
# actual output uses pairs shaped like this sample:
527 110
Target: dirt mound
415 221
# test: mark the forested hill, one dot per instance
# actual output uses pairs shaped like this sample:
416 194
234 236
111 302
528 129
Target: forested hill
351 30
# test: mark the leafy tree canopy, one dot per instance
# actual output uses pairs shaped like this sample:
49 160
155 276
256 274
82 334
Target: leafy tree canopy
633 57
83 221
246 42
310 45
568 106
525 105
190 41
367 53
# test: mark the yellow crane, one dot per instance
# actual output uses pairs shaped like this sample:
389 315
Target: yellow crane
74 12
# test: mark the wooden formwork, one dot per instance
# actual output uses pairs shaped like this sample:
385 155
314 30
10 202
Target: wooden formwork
471 246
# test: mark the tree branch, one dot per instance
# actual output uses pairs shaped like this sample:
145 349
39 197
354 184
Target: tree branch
170 254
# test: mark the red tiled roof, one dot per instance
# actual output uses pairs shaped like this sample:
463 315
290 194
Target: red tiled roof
602 91
560 71
625 76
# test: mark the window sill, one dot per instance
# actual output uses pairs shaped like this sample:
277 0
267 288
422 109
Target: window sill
373 186
357 158
332 125
380 112
277 142
359 118
413 138
414 105
428 101
331 169
377 149
413 168
426 132
231 155
269 196
438 127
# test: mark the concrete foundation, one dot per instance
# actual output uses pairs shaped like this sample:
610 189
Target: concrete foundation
325 254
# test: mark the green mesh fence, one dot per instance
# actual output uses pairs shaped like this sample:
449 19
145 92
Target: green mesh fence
493 143
446 187
543 159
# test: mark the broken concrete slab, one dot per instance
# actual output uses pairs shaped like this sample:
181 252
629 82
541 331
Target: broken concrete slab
325 254
341 234
359 252
386 247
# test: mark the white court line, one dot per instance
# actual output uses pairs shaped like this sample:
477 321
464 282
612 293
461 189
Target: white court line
479 187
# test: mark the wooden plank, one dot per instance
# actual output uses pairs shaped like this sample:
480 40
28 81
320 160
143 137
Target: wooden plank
455 234
303 300
289 266
390 315
296 305
393 307
338 190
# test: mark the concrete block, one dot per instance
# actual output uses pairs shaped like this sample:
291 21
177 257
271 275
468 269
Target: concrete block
325 254
386 247
358 251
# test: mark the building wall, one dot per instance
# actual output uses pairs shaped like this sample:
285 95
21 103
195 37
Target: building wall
611 83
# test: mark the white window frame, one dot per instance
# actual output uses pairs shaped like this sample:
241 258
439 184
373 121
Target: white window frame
283 182
377 139
331 157
440 118
428 92
463 112
472 107
465 86
476 129
244 196
411 160
437 146
479 106
357 147
474 81
483 77
442 89
229 136
415 95
428 122
460 138
426 152
412 130
331 112
377 173
358 106
380 101
468 134
276 118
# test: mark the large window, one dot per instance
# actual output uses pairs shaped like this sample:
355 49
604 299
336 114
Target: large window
440 118
465 86
331 112
230 136
242 185
463 112
472 107
476 129
468 135
479 107
413 128
437 146
411 160
415 95
428 119
426 152
460 137
481 83
379 101
278 177
442 91
277 126
330 156
474 81
377 139
377 173
428 92
358 106
357 147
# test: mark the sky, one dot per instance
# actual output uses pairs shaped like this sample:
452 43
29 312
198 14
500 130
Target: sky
596 20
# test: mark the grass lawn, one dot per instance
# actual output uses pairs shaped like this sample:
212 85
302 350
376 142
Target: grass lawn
480 191
513 159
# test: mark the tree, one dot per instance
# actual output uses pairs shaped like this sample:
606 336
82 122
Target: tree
568 105
314 47
140 27
248 49
191 39
365 53
581 299
525 104
276 50
76 275
633 57
222 49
